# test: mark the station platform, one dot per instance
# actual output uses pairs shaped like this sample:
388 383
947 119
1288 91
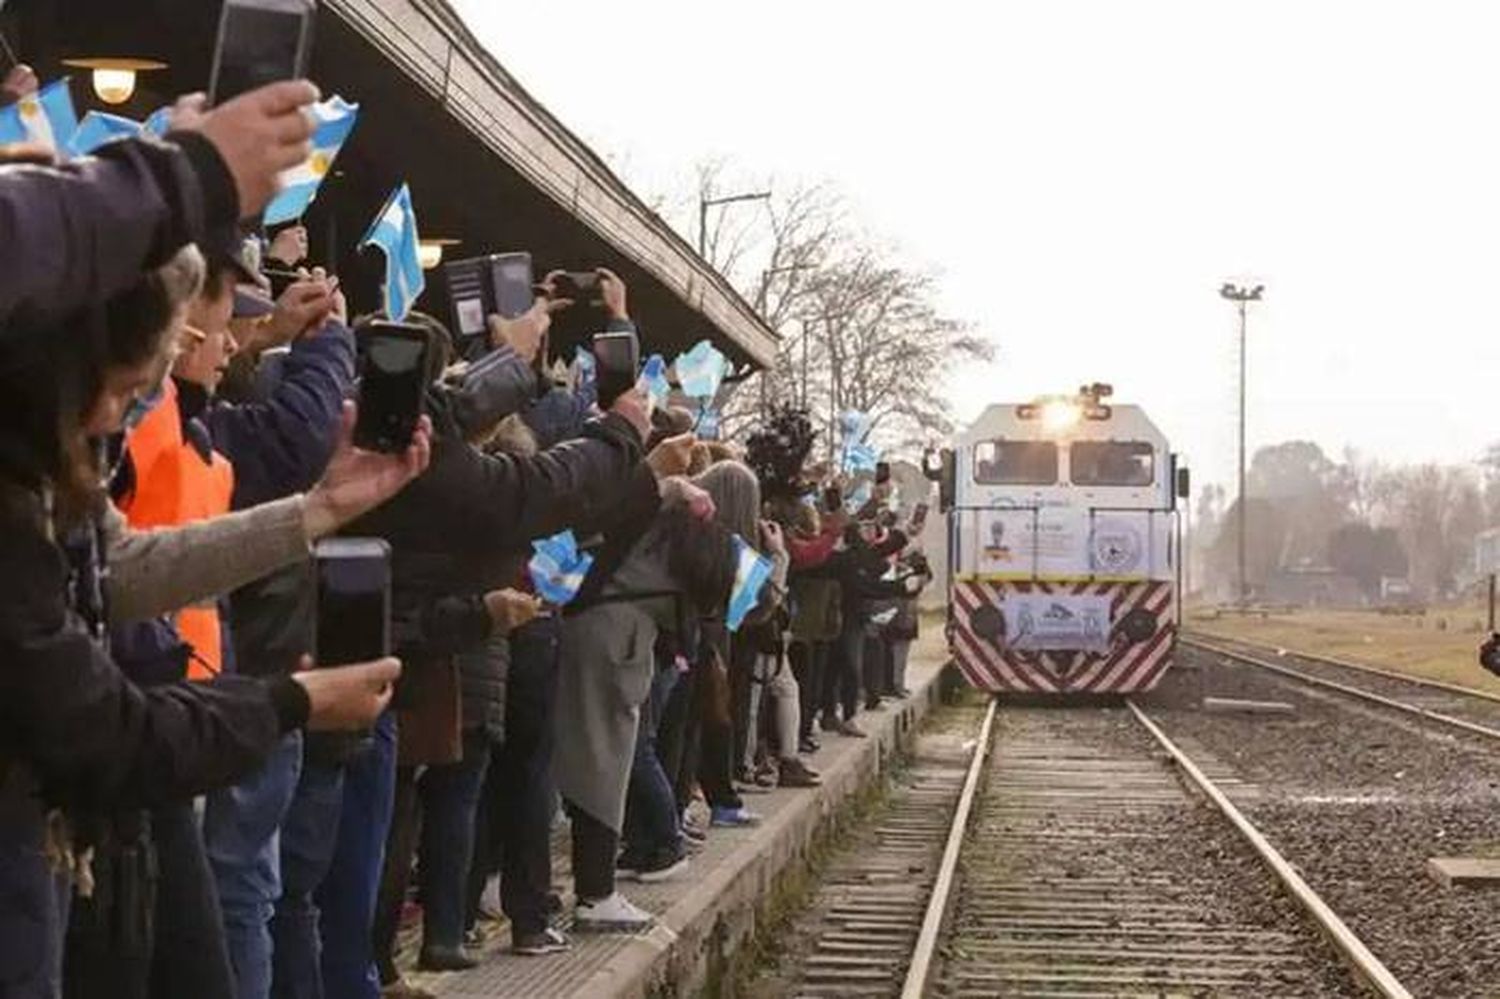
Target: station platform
707 915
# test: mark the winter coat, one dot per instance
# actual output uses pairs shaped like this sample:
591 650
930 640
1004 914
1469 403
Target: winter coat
453 531
483 673
93 225
605 668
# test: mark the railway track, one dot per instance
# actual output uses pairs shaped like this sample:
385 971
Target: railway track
1085 854
1448 705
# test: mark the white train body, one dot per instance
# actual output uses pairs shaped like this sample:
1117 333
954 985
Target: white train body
1063 548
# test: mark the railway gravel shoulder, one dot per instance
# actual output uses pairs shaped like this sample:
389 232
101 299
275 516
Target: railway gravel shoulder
1359 798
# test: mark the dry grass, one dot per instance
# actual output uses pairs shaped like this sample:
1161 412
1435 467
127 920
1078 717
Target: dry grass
1440 644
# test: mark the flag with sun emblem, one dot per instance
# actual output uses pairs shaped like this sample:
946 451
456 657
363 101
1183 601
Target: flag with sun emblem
299 185
45 117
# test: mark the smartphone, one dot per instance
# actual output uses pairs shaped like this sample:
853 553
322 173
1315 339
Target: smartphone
354 600
393 363
919 516
579 287
617 359
500 284
833 499
882 472
260 42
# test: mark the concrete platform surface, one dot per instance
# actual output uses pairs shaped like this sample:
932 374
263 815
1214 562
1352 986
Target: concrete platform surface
706 914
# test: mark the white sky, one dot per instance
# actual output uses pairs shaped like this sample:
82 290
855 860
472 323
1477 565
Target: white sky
1083 175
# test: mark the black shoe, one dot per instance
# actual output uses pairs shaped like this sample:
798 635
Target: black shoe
548 941
446 959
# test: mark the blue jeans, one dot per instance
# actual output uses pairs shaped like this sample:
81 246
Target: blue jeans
347 895
450 799
651 823
33 906
308 837
241 826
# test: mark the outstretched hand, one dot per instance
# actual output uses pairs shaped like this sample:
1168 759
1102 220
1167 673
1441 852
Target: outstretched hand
357 481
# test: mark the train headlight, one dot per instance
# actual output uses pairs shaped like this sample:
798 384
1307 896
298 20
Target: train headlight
1059 414
1138 625
988 623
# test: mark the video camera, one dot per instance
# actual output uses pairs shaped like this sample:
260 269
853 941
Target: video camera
778 453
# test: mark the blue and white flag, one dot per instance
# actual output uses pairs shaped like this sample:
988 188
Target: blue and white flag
653 379
97 128
395 232
752 571
860 458
855 426
558 569
707 428
159 121
299 186
701 370
46 117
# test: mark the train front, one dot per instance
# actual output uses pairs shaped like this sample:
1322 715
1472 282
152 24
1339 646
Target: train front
1063 547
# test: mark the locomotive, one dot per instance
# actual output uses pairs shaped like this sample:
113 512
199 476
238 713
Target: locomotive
1064 546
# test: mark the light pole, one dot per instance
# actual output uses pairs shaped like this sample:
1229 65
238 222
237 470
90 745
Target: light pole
760 308
704 204
1241 297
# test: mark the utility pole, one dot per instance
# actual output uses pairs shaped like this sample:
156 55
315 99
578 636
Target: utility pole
704 204
1242 297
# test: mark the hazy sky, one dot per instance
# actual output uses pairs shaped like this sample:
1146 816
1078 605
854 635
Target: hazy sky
1083 176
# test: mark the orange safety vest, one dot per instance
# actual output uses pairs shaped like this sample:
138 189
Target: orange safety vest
174 485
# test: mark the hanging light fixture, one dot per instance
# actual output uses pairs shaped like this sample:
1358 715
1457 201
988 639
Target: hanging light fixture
114 78
430 251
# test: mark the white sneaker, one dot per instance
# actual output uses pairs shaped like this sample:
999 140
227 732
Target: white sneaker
611 915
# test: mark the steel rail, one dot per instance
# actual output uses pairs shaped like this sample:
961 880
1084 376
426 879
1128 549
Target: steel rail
1420 681
1317 681
919 971
1364 963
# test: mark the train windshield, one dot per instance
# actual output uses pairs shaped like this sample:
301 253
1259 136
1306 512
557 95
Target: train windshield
1015 463
1112 463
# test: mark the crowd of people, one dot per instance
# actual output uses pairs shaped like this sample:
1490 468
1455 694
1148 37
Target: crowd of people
189 805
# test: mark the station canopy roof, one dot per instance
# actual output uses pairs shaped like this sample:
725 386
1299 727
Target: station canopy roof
488 165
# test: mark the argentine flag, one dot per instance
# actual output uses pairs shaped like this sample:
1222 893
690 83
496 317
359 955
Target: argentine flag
46 117
299 185
557 569
700 371
395 232
751 573
97 128
159 122
653 380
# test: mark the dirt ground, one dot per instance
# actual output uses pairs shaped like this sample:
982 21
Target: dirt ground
1440 644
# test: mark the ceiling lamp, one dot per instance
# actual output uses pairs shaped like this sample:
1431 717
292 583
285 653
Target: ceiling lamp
114 78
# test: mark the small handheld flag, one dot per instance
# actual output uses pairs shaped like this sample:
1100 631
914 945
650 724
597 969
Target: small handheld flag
299 186
700 371
97 128
46 117
558 569
751 573
159 121
394 231
654 379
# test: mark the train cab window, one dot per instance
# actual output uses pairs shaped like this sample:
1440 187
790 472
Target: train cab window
1112 463
1015 463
